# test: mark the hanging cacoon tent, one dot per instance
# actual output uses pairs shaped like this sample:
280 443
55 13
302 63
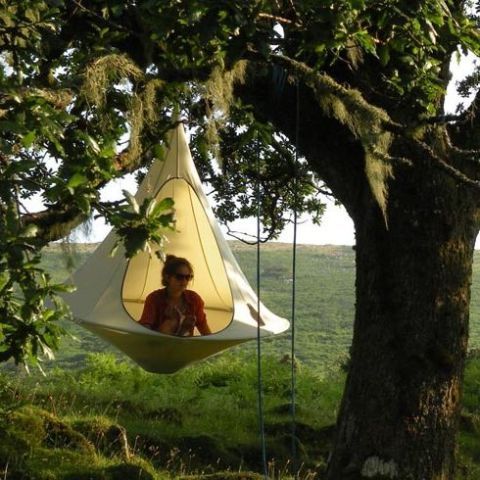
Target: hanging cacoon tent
111 290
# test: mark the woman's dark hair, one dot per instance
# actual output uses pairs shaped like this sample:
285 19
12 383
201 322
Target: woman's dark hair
171 265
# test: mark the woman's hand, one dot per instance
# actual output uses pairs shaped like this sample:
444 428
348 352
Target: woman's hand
187 326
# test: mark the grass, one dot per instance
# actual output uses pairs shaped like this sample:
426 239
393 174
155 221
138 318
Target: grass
97 416
199 421
111 420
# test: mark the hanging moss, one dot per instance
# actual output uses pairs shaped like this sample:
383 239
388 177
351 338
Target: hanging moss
104 72
219 94
136 120
143 108
365 121
367 124
149 99
378 172
58 98
219 87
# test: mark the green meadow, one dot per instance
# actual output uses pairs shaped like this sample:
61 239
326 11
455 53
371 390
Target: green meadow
324 300
95 415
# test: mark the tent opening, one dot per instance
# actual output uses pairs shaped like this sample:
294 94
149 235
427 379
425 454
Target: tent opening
194 240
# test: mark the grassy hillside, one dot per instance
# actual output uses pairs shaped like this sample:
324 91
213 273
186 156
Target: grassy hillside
110 420
324 299
97 416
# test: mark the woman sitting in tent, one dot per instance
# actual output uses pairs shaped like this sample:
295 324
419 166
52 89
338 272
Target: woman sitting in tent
174 310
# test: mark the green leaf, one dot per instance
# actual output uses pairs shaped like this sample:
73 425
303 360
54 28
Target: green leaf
93 144
32 15
64 288
20 167
107 151
29 138
4 281
12 127
131 201
160 207
76 180
384 54
150 208
167 220
84 205
159 151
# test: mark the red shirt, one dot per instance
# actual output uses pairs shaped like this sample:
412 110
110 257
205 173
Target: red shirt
156 304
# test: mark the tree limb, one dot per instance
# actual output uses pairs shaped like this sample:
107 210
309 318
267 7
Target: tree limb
322 84
55 222
449 169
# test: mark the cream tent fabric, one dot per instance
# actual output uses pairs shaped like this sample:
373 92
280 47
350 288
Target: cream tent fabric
111 291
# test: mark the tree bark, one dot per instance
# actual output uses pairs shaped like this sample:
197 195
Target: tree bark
401 403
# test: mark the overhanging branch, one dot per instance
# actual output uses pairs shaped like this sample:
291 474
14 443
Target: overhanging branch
56 222
449 169
323 84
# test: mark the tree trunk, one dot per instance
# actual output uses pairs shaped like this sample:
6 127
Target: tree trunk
399 413
401 403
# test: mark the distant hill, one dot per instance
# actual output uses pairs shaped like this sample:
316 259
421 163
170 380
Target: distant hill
324 298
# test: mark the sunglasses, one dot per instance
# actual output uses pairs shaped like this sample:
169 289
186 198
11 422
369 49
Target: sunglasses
183 276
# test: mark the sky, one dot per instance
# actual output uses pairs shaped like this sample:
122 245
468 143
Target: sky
336 227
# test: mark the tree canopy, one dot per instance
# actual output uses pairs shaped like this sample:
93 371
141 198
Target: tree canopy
343 97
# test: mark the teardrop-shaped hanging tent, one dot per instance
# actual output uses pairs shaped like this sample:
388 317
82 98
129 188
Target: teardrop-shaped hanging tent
111 291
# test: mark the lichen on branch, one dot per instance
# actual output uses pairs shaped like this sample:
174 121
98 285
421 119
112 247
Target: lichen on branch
366 122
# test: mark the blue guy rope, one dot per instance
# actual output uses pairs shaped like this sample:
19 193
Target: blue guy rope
293 309
259 343
294 276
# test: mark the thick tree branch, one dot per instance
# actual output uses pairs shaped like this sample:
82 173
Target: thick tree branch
56 222
464 155
446 167
323 84
445 119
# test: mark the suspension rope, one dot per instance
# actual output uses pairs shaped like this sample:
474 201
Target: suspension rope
261 419
293 308
293 385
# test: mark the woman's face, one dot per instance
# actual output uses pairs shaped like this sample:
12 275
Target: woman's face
178 281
